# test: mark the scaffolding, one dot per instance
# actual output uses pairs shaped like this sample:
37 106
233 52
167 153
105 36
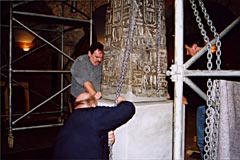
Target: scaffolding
179 73
61 21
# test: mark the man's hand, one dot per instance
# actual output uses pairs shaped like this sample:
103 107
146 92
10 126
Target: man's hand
184 100
98 95
89 88
111 138
120 99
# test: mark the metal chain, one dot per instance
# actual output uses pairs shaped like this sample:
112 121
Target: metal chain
212 112
217 86
216 116
127 52
110 146
216 35
159 47
208 128
209 121
217 82
128 46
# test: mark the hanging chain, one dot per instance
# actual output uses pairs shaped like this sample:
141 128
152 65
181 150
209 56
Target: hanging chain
127 52
159 47
216 116
128 47
208 128
212 111
110 146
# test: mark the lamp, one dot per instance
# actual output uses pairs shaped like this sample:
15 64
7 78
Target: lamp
24 39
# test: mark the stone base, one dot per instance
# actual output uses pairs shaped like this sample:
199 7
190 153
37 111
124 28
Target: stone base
133 98
148 135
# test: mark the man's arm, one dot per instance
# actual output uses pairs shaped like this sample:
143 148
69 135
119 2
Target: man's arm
109 118
89 88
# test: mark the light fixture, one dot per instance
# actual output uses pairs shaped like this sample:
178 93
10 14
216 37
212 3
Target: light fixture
26 46
24 39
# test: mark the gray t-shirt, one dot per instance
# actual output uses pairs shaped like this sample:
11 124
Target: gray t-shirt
82 71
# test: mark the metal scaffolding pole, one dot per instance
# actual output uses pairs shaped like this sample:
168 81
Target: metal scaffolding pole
30 52
43 39
91 21
180 73
50 16
212 73
40 71
33 109
178 141
204 49
62 62
61 21
10 135
195 88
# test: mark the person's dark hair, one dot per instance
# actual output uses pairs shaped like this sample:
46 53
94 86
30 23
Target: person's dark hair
194 39
94 46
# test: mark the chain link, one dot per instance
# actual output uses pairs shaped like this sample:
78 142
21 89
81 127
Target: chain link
110 146
159 47
217 87
126 54
128 46
212 111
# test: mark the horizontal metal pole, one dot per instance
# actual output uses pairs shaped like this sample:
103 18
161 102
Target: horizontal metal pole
39 126
50 16
204 49
40 71
21 3
35 29
36 113
212 73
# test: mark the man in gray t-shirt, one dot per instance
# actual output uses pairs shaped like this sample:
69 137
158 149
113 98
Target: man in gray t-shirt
86 75
87 70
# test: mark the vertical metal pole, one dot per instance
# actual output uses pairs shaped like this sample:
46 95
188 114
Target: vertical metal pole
91 21
10 136
62 48
178 144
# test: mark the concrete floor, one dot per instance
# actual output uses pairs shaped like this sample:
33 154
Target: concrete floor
38 143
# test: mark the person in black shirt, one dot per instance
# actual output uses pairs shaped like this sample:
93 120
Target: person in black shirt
85 134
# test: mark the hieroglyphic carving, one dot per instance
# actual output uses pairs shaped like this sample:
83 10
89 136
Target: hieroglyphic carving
140 82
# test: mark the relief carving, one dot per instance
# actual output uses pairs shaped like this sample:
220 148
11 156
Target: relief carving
142 75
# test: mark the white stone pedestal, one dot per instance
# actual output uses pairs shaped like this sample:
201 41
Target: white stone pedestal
148 135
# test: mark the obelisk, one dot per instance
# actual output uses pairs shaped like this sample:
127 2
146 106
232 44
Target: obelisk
135 42
135 29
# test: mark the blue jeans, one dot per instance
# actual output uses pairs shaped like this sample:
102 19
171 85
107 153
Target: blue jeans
201 112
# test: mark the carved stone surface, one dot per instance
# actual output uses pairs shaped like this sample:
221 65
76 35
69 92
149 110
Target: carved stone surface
137 27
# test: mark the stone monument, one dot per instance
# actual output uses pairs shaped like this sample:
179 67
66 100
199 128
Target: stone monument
135 62
135 28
